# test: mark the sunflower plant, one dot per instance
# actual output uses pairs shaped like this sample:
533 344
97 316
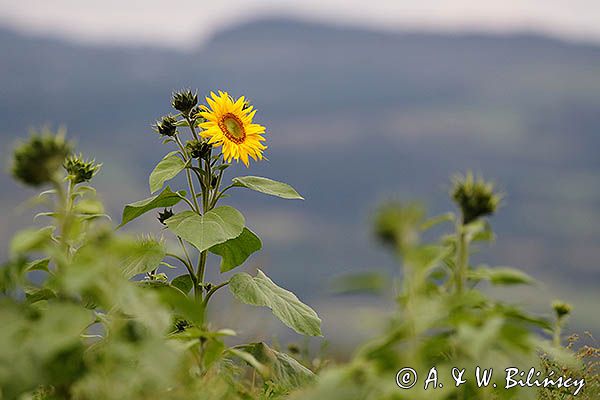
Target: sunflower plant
206 139
443 317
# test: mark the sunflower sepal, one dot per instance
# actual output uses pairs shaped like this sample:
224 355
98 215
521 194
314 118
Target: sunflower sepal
184 101
181 123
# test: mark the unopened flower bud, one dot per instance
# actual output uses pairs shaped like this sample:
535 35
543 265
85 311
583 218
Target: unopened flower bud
166 126
184 101
165 215
293 348
80 170
181 325
561 308
198 148
162 277
397 224
474 197
38 160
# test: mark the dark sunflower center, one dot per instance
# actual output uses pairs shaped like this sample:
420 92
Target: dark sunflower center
233 128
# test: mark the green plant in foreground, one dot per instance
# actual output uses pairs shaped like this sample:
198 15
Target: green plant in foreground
443 318
76 321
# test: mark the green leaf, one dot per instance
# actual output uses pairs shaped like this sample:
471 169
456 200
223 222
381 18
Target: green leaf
249 358
212 352
88 207
431 222
144 257
38 265
166 198
267 186
166 169
479 231
214 227
501 276
183 283
261 291
285 372
30 240
237 250
33 294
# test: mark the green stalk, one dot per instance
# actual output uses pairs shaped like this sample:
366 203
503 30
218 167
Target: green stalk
205 187
462 258
557 332
65 204
206 206
212 291
189 121
189 175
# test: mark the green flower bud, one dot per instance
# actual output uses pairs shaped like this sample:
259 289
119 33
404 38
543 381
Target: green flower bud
166 126
561 308
474 197
181 325
161 277
38 160
398 225
184 101
80 170
198 148
293 348
165 215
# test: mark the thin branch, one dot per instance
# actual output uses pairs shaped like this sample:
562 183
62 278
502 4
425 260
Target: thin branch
221 194
212 291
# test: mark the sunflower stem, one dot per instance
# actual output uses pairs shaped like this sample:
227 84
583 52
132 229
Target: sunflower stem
221 193
212 291
462 257
191 124
188 174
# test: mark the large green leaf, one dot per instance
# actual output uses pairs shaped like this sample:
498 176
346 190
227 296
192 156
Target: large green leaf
183 283
166 169
267 186
286 373
145 256
237 250
166 198
261 291
214 227
30 240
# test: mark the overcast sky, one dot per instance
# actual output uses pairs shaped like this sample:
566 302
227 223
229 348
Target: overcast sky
182 23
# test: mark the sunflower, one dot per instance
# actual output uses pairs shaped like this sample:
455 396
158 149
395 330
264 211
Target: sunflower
229 124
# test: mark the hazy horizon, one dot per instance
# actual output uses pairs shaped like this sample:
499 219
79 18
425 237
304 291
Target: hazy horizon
149 22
